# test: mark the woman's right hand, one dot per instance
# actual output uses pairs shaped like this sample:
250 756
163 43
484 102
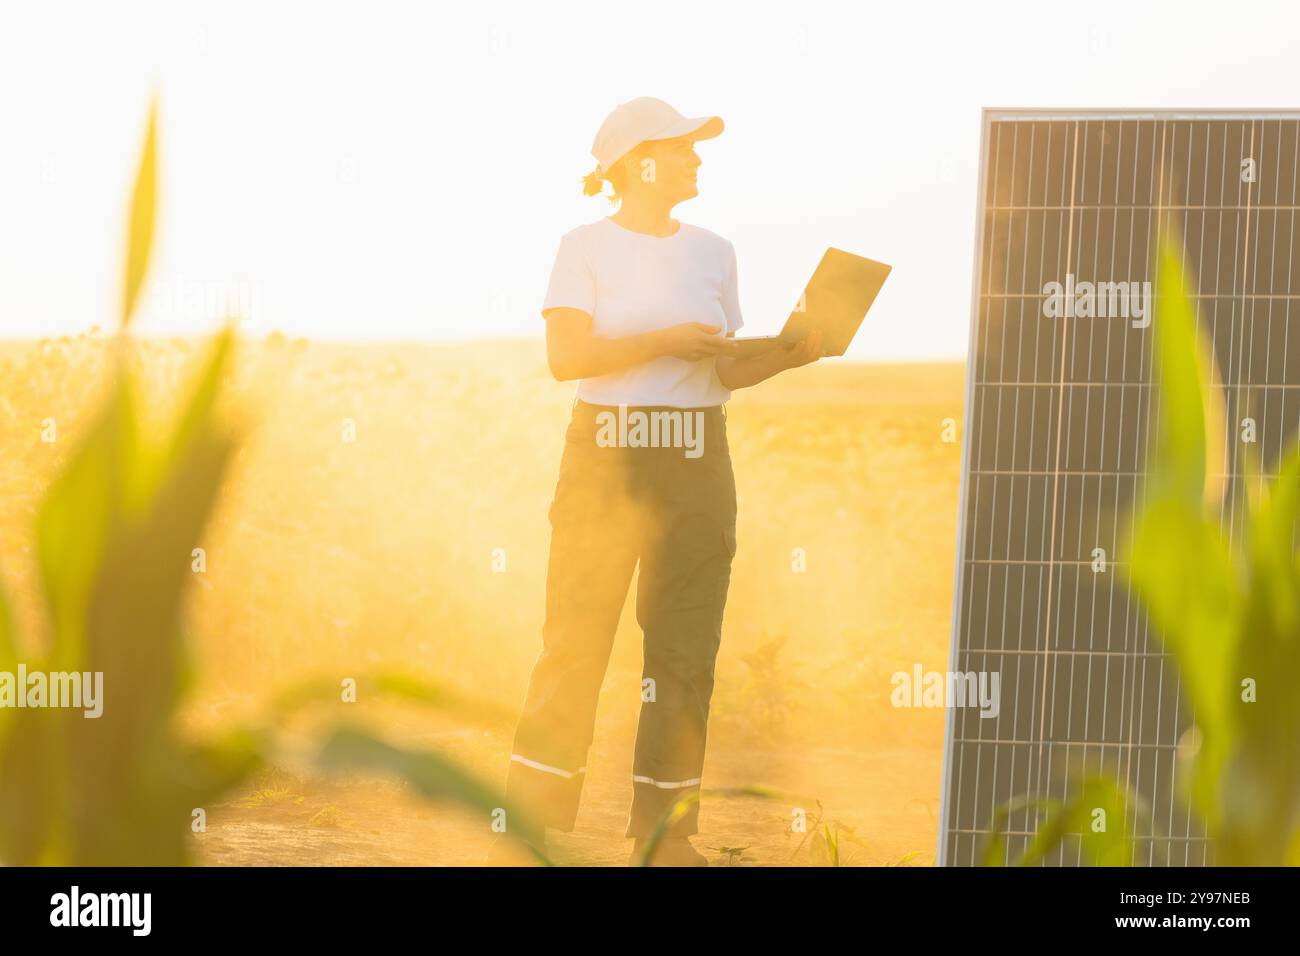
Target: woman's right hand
693 341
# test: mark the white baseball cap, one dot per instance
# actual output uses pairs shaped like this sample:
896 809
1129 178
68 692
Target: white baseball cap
646 118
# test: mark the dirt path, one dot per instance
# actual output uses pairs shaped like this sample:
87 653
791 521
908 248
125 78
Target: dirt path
887 797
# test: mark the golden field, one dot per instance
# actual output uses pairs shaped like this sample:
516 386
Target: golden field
328 557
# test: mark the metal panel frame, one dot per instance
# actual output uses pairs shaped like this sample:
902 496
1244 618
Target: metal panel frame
986 121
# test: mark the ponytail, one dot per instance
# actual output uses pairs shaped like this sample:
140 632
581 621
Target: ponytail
593 182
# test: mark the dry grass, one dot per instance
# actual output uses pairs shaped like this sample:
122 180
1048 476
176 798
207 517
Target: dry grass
328 558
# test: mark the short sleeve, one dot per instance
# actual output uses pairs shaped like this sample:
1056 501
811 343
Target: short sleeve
731 293
572 285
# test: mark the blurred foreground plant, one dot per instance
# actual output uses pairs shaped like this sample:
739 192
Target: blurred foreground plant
1228 612
115 535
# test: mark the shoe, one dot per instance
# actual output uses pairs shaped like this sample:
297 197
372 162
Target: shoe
671 851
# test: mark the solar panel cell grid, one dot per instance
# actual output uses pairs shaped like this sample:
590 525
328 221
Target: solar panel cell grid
1057 430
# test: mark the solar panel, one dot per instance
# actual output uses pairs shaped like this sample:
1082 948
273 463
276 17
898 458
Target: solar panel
1057 425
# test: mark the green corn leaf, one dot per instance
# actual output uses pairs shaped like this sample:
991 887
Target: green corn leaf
80 510
1273 523
196 416
8 649
995 852
431 775
675 812
196 776
8 663
387 686
1113 844
8 654
1254 800
1179 562
29 788
1183 570
123 761
1179 369
115 534
140 227
153 465
114 537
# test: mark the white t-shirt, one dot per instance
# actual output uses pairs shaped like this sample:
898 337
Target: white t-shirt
629 283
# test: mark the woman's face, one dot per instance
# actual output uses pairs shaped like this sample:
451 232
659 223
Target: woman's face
665 167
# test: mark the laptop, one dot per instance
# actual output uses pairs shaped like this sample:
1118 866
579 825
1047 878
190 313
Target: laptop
836 300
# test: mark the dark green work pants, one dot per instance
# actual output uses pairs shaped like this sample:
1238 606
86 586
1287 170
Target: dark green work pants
673 509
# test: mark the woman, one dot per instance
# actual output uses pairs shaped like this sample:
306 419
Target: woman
640 310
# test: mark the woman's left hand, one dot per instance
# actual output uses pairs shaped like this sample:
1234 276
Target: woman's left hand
805 353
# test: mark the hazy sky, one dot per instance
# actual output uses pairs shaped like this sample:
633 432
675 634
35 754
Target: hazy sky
405 171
